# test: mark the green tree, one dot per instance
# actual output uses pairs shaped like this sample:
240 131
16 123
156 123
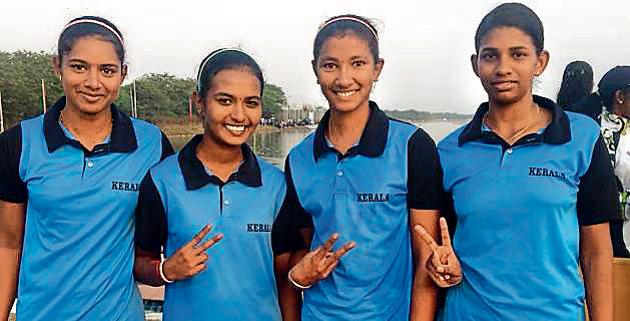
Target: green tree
274 100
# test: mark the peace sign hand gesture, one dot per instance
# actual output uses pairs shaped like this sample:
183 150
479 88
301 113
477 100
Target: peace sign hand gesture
443 265
191 258
319 263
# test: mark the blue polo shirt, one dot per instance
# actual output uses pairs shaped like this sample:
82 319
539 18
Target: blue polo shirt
519 210
365 195
77 256
179 197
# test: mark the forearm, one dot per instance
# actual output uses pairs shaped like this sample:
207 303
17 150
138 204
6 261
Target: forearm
423 296
145 270
10 258
597 271
290 299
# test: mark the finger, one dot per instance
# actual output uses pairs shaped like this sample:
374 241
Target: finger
426 237
329 269
209 243
199 259
343 250
198 269
200 235
327 247
446 236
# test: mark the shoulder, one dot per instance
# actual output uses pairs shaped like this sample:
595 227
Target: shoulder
452 139
269 172
583 127
304 146
166 167
145 129
398 126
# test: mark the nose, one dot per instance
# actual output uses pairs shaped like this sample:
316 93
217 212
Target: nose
504 67
93 80
344 77
238 112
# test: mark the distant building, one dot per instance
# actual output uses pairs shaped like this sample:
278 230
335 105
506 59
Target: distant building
300 113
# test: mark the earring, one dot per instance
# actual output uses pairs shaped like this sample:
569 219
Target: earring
375 80
59 77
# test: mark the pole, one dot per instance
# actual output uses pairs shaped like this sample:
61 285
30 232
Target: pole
44 95
1 117
135 101
131 100
189 109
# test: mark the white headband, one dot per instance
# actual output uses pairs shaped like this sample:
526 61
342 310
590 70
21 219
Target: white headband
96 22
205 61
372 30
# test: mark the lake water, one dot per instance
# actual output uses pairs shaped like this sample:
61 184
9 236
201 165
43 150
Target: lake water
273 146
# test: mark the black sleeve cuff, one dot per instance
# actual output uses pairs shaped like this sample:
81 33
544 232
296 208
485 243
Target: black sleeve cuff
12 188
598 199
151 222
424 173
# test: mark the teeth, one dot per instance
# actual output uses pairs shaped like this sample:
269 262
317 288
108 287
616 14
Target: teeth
346 93
237 129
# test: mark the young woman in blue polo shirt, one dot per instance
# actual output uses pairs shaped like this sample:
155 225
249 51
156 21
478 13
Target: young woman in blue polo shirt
532 189
364 179
210 210
68 189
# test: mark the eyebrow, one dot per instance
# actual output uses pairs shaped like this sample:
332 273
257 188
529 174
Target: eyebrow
233 97
493 49
77 60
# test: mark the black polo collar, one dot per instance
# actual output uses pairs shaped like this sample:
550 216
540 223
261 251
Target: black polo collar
196 176
373 138
557 132
122 139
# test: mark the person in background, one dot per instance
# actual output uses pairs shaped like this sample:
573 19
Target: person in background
577 84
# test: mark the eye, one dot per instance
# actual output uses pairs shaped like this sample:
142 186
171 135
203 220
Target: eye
254 103
519 55
488 56
328 66
358 63
224 101
78 67
108 71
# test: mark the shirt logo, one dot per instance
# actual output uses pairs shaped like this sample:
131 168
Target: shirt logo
258 228
372 197
539 171
125 186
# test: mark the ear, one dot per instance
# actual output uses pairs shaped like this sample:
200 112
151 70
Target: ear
473 64
198 100
56 62
378 67
618 97
123 73
314 67
541 62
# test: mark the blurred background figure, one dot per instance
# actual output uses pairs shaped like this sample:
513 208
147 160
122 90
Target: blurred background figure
577 84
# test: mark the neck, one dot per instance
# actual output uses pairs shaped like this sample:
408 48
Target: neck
512 115
619 112
345 128
87 127
213 155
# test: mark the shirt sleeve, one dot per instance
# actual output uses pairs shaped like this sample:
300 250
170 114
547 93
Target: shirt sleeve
12 188
292 217
424 180
167 147
597 199
151 224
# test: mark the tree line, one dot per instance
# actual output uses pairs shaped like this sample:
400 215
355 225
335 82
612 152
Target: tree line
158 95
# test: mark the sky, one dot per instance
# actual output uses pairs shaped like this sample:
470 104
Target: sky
426 44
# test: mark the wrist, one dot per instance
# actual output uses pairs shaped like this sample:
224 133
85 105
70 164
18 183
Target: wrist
296 281
164 274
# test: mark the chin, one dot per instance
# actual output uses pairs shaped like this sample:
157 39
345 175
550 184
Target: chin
506 98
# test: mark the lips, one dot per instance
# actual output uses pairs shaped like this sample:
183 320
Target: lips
92 98
345 93
235 129
504 85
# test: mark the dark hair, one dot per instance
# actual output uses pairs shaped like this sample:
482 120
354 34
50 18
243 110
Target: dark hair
515 15
222 59
72 33
337 26
577 83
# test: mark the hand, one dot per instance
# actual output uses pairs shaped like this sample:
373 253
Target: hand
191 258
319 263
443 265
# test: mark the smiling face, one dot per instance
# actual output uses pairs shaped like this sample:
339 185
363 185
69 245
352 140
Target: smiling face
91 75
346 70
507 63
232 106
